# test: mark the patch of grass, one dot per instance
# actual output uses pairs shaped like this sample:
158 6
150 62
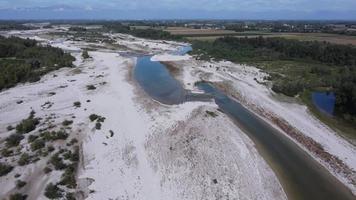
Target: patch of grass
77 104
5 169
91 87
53 191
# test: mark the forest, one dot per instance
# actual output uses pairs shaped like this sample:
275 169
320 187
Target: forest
294 66
150 33
23 60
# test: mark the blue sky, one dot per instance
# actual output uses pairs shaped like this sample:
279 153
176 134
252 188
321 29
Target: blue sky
178 9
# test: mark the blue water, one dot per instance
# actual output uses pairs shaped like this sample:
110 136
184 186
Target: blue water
324 101
302 177
156 80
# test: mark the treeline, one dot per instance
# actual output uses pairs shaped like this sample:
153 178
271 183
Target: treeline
149 33
24 60
12 25
323 65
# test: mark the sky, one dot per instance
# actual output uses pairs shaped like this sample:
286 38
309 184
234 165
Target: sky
178 9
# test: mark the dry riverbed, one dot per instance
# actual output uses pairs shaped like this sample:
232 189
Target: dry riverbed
109 140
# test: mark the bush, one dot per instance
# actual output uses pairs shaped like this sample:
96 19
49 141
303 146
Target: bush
6 152
14 140
47 170
85 54
18 196
57 162
77 104
38 144
67 122
68 177
27 125
25 159
53 191
98 126
91 87
32 138
93 117
5 169
20 184
52 136
10 128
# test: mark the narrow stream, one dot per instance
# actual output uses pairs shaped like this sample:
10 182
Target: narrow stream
301 176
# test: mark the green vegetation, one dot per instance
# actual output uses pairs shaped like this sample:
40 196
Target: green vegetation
67 122
25 159
149 33
295 66
91 87
14 140
212 114
57 161
20 184
77 104
5 169
97 125
28 125
54 135
38 144
53 191
85 54
18 196
23 60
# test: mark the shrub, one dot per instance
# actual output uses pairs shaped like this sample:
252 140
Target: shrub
10 128
93 117
25 159
53 191
50 148
20 184
38 144
6 152
68 177
67 122
18 196
212 114
27 125
91 87
77 104
57 162
14 140
70 196
32 138
52 136
98 125
47 170
73 141
85 54
5 169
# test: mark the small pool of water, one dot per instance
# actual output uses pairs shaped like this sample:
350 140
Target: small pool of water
324 101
